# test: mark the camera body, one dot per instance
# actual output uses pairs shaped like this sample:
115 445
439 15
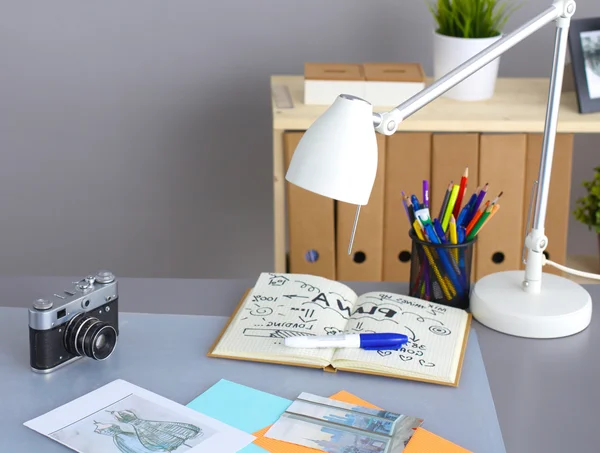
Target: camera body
82 321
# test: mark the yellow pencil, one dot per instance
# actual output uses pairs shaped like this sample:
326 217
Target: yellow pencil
436 271
450 207
453 237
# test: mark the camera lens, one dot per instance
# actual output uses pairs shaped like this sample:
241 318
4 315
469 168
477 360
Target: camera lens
101 341
86 335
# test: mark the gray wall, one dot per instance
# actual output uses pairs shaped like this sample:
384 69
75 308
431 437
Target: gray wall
136 135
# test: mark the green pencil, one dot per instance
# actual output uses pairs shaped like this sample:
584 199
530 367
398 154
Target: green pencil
480 223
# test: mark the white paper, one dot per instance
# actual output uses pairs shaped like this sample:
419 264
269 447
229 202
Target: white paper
124 418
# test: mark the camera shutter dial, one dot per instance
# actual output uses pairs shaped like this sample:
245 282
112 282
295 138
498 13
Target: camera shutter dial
42 304
105 277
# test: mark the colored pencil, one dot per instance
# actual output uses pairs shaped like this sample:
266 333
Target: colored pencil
445 202
453 236
450 207
476 218
480 198
494 210
411 212
480 223
461 193
405 206
497 198
426 193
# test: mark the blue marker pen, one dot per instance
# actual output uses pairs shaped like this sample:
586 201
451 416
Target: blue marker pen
368 341
439 231
415 201
470 204
464 212
462 232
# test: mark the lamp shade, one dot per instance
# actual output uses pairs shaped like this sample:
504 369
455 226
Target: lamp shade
337 155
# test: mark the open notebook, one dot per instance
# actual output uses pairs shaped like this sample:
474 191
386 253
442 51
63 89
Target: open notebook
284 305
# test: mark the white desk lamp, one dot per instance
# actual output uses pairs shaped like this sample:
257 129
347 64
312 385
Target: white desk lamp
337 158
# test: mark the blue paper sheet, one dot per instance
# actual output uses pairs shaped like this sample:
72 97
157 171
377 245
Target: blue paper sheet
242 407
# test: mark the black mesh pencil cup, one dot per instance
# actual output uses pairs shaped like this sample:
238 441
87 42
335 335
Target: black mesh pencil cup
441 272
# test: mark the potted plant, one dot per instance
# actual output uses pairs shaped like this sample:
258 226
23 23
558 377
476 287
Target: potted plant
587 209
465 28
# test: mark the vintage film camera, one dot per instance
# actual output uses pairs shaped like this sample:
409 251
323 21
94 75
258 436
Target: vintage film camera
81 321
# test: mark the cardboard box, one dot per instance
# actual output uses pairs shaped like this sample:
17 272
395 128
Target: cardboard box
324 82
390 84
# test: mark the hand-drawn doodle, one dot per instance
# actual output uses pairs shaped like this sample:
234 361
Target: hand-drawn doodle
405 358
384 353
243 319
277 280
333 330
321 301
440 330
158 435
372 318
421 318
424 363
306 311
413 337
412 352
292 296
310 288
435 310
339 295
260 298
417 346
381 297
260 311
359 326
275 333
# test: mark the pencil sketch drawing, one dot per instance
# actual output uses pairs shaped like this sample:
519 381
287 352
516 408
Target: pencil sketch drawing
133 425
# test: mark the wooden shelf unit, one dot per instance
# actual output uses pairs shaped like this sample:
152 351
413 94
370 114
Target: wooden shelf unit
518 106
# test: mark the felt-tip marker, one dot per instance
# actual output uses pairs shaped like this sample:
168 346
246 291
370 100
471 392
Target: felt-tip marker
369 341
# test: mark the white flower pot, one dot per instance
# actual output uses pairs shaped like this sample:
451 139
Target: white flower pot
450 52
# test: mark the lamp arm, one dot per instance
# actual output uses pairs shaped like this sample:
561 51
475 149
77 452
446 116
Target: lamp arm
387 123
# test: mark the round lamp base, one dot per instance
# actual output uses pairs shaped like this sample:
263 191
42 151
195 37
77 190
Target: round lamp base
562 308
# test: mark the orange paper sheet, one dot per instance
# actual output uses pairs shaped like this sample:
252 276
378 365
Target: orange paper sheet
422 441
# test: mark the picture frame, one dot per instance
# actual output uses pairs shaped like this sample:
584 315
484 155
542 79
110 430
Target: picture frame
584 46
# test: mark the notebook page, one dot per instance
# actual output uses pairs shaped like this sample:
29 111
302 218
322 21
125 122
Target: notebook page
435 333
285 305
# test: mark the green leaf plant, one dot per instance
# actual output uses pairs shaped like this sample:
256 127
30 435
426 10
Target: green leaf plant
471 18
587 209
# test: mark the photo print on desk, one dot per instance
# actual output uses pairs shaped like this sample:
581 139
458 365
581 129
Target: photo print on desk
337 427
130 425
123 418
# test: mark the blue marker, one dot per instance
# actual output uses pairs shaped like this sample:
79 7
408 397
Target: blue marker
415 201
461 233
368 341
439 231
464 212
470 204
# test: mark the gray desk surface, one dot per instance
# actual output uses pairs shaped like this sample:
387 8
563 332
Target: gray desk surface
545 391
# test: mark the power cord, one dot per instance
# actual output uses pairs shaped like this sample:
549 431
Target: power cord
571 271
